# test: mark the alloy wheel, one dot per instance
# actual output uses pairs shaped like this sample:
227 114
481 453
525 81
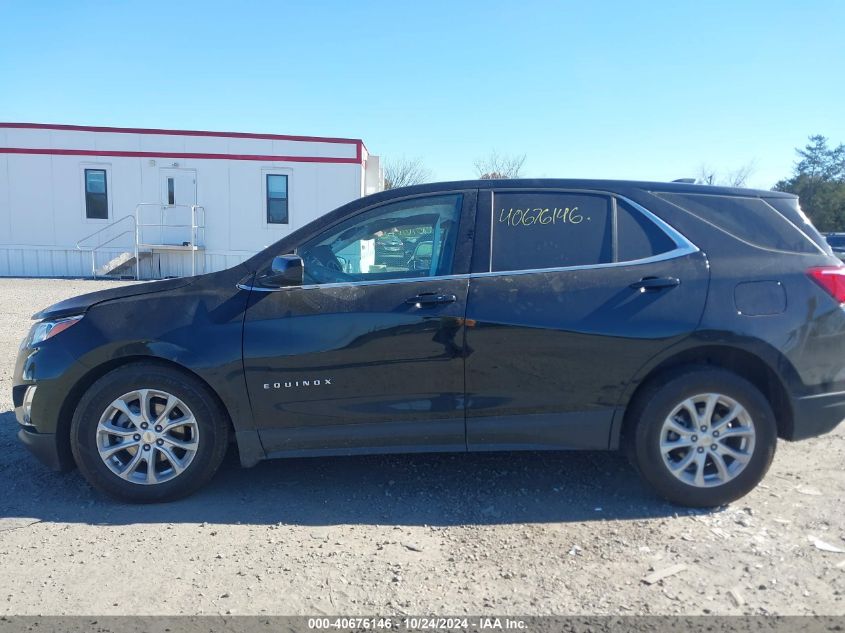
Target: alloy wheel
707 440
147 436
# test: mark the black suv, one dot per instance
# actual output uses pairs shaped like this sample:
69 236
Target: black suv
690 326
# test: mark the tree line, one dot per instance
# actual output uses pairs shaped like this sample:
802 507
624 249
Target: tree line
818 178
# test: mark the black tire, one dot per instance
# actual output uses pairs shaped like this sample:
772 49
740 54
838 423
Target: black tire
657 401
211 420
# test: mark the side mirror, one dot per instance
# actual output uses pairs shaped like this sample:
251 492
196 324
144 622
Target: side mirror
286 270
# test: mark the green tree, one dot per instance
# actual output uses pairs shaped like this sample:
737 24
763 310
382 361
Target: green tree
819 181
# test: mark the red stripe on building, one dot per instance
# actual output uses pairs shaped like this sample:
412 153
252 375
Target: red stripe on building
165 132
130 154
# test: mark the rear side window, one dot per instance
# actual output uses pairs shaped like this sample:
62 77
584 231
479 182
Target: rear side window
749 219
637 236
554 229
550 230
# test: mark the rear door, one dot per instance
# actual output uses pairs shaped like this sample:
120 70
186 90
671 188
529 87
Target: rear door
571 293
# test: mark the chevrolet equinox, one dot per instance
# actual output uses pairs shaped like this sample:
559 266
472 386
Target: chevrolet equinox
689 326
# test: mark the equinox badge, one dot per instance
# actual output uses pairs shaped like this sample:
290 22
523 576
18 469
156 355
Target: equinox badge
320 382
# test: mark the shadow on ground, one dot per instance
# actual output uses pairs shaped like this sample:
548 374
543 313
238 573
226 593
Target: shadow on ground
448 489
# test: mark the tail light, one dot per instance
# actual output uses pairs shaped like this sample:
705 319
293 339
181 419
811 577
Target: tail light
832 279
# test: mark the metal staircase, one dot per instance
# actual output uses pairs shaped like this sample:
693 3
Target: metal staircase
150 238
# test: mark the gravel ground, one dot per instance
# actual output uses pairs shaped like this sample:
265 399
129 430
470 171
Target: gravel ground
518 534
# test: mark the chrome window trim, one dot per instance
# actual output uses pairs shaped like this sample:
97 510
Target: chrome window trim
662 257
681 241
683 248
668 255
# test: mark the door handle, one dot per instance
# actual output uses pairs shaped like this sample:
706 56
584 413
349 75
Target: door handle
427 299
655 283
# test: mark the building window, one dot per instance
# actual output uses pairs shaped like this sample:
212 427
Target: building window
96 195
277 199
171 191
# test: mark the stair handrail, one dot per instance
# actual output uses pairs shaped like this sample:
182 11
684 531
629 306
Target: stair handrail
93 249
196 227
80 246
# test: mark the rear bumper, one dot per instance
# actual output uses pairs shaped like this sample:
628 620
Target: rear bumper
44 447
816 415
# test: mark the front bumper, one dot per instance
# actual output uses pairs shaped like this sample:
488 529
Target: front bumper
45 447
816 415
44 374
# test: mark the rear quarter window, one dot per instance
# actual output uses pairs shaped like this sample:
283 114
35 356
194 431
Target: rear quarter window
637 236
751 220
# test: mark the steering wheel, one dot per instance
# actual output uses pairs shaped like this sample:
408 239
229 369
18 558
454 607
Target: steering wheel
320 260
323 256
419 264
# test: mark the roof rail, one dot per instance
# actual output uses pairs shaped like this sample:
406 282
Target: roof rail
686 181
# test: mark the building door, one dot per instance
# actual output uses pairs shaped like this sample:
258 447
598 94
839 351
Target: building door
178 191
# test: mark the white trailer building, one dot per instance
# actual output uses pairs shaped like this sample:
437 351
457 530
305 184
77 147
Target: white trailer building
78 200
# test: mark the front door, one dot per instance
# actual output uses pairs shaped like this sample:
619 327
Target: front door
368 354
573 294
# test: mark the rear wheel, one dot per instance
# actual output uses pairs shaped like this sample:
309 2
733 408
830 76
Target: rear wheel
147 433
705 437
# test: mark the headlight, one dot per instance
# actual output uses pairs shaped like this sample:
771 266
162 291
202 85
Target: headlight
48 329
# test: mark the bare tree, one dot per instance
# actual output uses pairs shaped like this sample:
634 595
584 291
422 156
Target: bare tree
498 167
706 175
734 178
403 172
739 177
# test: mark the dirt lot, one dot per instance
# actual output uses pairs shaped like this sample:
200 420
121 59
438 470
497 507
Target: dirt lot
505 534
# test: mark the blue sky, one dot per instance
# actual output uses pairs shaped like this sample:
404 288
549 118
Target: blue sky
648 90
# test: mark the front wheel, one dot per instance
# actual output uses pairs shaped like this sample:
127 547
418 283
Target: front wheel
146 433
703 438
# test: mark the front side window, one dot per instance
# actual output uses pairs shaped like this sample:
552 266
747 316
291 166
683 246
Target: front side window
277 199
96 195
408 239
536 230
